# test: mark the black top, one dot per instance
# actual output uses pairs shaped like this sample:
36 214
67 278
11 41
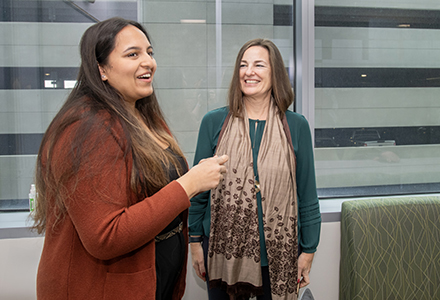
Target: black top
170 253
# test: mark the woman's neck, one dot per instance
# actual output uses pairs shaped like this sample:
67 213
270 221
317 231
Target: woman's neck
257 109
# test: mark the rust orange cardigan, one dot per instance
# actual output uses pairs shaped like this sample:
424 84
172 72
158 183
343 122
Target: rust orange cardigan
104 247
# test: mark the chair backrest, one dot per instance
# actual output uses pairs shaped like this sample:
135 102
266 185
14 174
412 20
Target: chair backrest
390 249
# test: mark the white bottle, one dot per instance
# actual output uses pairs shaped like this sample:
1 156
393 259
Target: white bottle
32 196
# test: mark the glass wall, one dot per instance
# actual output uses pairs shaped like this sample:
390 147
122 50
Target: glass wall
376 111
377 105
195 44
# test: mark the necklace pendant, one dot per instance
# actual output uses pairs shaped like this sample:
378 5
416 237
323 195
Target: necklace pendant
257 186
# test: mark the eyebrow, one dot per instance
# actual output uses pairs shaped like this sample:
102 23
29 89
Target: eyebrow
136 48
257 61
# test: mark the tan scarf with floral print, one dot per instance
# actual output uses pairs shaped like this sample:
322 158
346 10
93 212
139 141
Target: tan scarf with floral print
234 241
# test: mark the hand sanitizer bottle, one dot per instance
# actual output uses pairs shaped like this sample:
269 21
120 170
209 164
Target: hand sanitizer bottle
32 195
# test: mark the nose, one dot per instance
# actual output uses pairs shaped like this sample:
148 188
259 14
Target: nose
249 70
148 61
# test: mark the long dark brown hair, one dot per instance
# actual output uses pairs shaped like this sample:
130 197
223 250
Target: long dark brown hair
92 96
281 89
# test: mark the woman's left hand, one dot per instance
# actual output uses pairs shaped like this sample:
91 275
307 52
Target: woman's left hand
304 265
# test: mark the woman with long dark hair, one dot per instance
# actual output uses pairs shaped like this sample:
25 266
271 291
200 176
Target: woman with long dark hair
113 185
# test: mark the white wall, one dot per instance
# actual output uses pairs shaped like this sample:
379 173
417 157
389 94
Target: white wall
19 261
18 266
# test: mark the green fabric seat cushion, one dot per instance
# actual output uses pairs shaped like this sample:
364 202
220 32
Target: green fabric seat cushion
390 249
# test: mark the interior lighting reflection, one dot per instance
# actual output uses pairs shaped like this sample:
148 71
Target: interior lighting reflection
69 84
50 84
404 25
364 75
192 21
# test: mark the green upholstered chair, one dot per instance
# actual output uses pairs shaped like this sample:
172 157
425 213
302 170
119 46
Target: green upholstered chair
390 249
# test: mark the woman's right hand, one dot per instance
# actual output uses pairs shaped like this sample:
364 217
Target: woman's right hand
198 261
204 176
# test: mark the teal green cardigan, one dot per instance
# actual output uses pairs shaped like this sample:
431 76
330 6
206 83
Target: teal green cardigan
309 216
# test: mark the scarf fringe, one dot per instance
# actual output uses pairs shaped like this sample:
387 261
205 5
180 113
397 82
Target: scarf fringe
239 290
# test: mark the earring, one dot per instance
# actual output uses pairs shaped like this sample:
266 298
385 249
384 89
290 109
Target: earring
102 76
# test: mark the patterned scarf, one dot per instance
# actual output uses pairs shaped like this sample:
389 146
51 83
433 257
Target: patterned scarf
234 241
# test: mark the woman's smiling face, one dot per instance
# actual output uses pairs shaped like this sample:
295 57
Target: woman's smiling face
131 65
255 73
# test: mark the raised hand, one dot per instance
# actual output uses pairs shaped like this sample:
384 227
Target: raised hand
206 175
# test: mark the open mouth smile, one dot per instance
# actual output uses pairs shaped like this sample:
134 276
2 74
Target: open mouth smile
145 76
